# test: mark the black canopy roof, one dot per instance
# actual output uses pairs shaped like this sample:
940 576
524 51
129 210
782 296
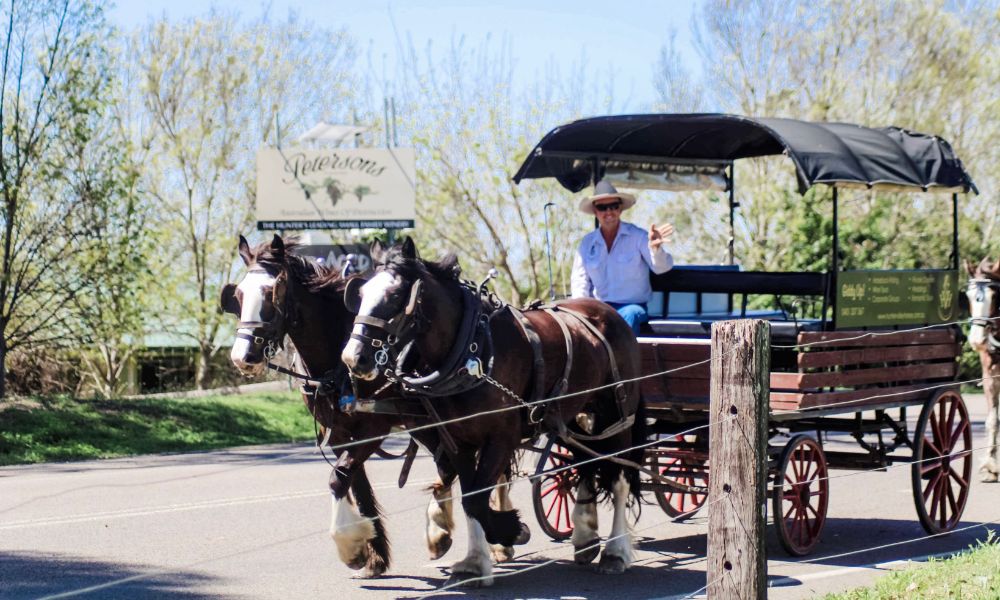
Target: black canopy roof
832 153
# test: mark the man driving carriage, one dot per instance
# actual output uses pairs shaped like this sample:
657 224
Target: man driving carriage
613 262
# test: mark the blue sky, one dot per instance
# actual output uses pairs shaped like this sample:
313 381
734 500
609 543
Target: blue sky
623 35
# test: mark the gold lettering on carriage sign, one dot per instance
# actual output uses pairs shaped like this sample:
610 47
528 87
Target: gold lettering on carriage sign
885 298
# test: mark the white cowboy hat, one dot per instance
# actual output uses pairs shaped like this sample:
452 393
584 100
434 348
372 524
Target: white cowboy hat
605 191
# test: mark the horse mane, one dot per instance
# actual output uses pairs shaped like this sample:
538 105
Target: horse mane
445 269
313 275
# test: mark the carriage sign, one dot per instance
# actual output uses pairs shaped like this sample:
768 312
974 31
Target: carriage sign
877 298
335 188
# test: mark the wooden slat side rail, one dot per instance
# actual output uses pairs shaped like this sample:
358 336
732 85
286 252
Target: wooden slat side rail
677 369
848 399
844 339
808 381
690 388
687 353
834 358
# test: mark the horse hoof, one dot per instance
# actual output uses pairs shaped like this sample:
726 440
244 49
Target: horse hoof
439 549
367 573
988 477
586 553
524 537
469 580
611 565
501 554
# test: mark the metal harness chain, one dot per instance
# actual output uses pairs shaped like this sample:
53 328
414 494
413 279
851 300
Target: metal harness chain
506 390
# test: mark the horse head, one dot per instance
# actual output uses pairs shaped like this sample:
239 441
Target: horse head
285 294
984 304
405 298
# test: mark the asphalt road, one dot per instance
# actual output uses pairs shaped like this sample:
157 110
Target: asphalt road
253 523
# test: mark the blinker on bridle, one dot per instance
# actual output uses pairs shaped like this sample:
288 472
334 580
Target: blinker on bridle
981 285
399 329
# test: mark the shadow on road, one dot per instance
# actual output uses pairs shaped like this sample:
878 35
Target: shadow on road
869 541
26 575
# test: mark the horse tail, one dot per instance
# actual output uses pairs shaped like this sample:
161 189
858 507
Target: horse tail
368 506
640 437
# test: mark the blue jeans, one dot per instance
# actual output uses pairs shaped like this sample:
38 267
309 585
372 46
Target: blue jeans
634 314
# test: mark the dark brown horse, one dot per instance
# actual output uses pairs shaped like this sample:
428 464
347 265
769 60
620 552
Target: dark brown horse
983 293
286 294
414 314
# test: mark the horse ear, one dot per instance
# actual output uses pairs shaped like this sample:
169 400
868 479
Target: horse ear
409 248
244 249
227 301
277 245
352 294
995 268
969 268
376 250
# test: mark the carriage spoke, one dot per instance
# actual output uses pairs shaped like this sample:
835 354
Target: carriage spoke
951 417
555 502
957 434
958 478
550 489
932 484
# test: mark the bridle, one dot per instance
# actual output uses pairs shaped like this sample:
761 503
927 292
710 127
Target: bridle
469 360
393 338
273 341
987 323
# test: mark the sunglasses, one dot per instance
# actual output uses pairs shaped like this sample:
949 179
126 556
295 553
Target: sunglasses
606 207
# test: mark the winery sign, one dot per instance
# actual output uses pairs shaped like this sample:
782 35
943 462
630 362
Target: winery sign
335 188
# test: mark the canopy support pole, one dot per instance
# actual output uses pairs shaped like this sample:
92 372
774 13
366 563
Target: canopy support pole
830 298
954 231
732 214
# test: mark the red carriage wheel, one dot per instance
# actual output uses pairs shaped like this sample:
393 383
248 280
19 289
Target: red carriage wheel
554 496
942 468
686 470
800 495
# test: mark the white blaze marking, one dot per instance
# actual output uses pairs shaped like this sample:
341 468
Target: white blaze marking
979 310
373 292
252 303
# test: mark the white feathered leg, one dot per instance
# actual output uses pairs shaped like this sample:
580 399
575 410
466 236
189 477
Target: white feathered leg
440 522
586 539
618 552
351 532
476 569
991 388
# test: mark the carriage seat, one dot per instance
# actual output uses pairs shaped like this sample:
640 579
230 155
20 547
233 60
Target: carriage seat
689 298
783 330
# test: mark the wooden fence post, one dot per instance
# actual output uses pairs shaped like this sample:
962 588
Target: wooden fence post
741 360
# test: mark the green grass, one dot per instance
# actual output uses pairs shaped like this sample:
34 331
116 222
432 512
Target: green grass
61 429
972 574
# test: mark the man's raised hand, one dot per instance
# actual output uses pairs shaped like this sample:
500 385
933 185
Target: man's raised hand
659 234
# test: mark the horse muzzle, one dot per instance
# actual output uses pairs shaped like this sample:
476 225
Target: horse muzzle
359 360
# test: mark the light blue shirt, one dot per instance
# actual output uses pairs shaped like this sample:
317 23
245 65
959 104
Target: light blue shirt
621 275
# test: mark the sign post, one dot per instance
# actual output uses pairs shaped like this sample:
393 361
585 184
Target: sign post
336 188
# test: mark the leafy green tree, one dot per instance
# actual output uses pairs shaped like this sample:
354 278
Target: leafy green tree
55 77
924 66
212 90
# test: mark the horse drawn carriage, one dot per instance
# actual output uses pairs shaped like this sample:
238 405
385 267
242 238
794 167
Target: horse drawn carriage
881 348
416 347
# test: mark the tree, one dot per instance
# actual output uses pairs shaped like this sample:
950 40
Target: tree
471 126
213 90
55 84
925 66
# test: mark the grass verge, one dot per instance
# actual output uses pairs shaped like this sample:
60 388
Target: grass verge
60 429
972 574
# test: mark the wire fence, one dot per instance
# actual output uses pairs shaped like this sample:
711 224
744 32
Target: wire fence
650 443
